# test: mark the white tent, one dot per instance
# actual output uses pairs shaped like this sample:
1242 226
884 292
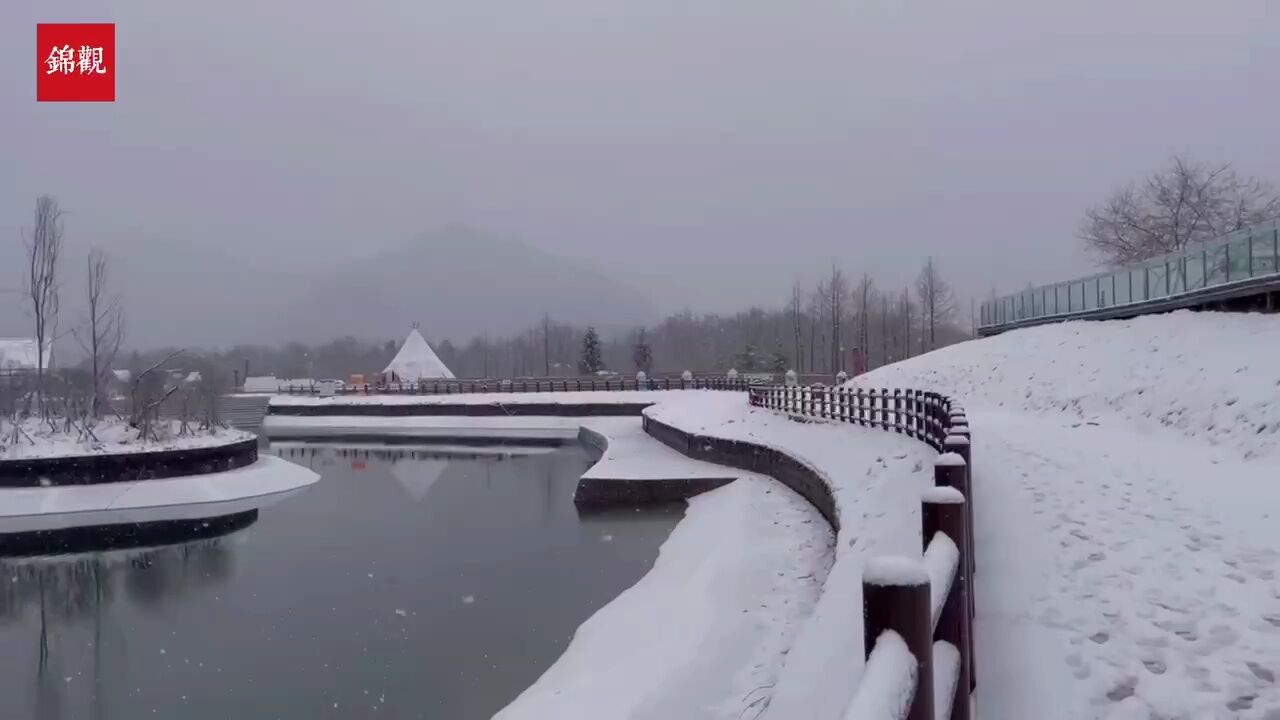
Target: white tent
415 361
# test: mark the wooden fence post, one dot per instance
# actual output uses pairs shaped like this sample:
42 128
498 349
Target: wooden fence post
959 444
895 596
942 511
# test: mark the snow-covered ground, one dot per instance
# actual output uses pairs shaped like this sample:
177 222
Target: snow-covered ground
1127 511
114 437
347 426
632 454
704 634
572 398
878 479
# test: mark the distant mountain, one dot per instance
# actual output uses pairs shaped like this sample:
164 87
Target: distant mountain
458 283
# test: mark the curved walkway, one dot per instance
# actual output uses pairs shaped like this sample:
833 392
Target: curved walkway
876 478
705 633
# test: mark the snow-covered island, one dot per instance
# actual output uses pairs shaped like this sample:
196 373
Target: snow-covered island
35 438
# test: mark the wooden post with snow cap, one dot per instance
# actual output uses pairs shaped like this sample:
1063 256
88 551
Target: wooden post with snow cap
895 597
959 444
950 470
943 526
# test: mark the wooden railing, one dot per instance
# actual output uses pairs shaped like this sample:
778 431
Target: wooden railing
451 387
918 414
917 612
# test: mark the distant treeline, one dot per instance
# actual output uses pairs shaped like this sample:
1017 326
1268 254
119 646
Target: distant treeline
837 325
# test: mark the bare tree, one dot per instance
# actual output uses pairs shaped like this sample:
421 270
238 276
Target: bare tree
937 303
864 291
546 344
147 393
1186 203
796 310
817 302
837 292
44 246
102 331
208 391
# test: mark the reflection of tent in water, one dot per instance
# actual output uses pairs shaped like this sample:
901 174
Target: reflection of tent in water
417 476
415 361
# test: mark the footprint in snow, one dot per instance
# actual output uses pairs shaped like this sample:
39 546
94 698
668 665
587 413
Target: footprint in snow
1244 702
1261 672
1123 690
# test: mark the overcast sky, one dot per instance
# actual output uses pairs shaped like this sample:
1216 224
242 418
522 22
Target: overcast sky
703 150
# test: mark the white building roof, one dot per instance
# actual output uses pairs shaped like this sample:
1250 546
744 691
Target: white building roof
20 354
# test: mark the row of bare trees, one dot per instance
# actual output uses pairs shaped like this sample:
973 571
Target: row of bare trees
72 401
99 333
817 332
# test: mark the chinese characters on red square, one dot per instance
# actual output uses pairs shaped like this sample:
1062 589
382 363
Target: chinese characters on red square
76 62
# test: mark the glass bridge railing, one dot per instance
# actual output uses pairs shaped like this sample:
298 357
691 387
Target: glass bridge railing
1236 258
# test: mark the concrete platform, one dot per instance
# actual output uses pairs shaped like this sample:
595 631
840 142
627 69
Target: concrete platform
263 483
635 469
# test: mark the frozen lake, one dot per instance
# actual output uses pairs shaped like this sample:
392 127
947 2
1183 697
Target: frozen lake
409 582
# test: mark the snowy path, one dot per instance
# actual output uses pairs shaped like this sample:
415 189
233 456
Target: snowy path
705 633
1141 565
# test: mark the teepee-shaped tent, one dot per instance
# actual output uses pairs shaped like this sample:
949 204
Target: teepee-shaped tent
415 361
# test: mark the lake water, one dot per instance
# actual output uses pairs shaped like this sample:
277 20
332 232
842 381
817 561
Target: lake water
408 582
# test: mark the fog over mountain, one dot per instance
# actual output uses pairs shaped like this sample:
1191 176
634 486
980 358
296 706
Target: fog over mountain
705 154
456 282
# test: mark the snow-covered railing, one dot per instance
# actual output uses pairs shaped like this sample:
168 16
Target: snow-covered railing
923 607
918 615
451 387
916 413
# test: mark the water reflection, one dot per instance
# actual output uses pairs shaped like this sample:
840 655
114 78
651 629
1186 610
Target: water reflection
57 596
408 582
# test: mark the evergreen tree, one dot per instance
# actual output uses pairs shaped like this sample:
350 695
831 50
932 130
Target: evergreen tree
642 354
749 359
780 360
591 362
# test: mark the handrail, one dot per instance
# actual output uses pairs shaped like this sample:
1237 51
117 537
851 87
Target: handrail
925 605
1242 258
916 413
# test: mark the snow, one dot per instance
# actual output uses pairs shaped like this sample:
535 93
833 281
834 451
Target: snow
949 459
262 483
416 361
114 438
952 439
942 495
1125 492
946 671
704 634
262 383
631 454
888 683
572 397
346 426
877 478
940 562
895 570
403 449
